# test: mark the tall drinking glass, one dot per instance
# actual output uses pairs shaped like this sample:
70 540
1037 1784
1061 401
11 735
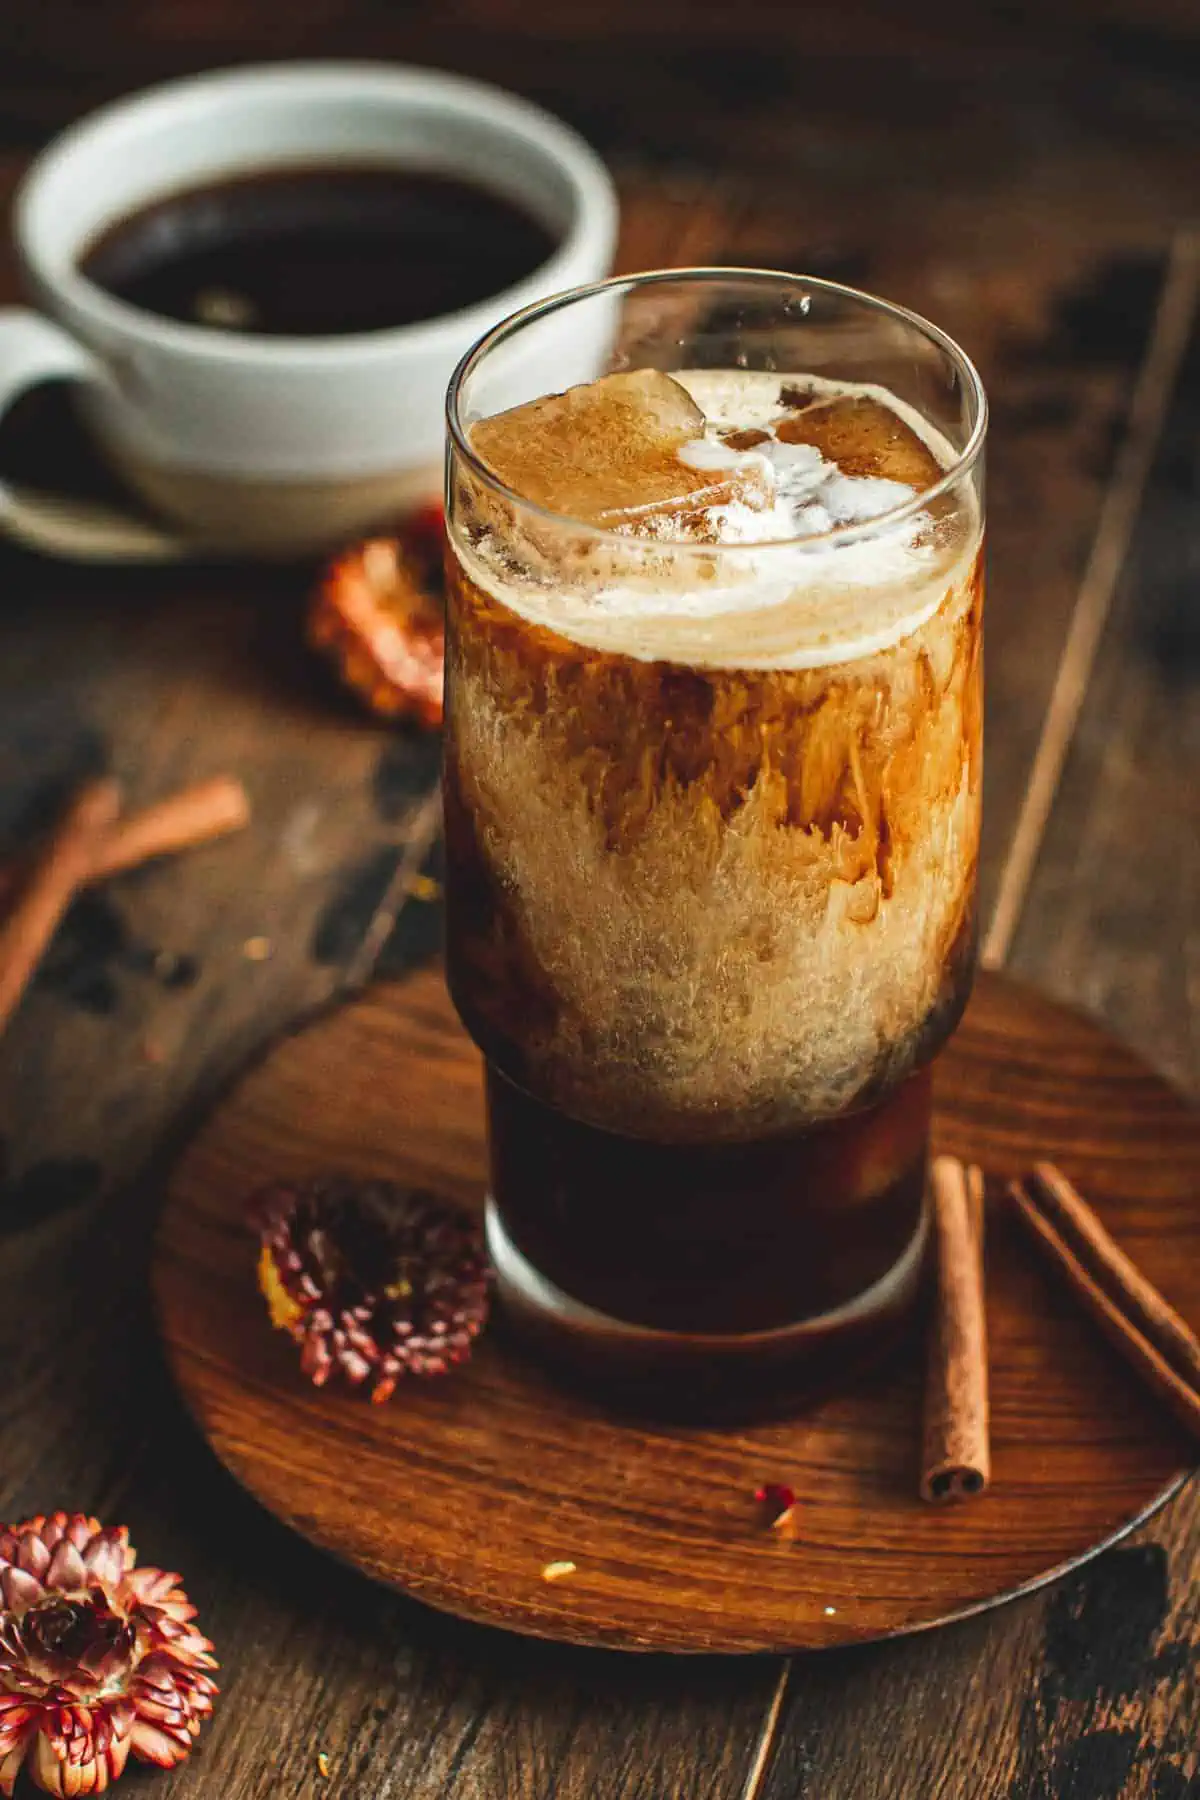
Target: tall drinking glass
712 783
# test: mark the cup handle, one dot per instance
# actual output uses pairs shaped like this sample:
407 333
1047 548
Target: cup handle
33 349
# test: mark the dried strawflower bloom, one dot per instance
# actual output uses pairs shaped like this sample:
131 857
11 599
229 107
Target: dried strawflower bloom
779 1503
97 1657
371 1278
378 618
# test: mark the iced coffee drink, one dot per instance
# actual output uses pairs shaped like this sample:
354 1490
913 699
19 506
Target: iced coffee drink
712 812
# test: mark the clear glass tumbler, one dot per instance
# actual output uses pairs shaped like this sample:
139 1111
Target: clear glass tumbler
712 790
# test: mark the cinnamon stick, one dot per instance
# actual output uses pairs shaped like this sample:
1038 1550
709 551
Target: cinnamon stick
1129 1310
60 868
181 821
956 1460
208 809
977 1203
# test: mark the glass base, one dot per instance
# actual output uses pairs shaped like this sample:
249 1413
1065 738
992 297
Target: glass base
705 1374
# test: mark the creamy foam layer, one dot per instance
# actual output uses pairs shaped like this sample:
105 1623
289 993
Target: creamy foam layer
771 589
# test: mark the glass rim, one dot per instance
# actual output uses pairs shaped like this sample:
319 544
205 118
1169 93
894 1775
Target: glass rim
509 327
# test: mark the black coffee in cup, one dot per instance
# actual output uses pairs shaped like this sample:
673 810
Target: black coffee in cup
320 251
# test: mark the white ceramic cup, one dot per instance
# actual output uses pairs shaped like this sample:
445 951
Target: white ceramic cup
279 446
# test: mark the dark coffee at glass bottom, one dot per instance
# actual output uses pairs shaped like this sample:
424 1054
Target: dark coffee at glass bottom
716 1237
643 1263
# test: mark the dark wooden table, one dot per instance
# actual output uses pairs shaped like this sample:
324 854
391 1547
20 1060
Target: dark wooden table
1025 176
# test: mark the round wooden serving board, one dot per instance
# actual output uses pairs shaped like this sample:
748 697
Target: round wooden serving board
461 1491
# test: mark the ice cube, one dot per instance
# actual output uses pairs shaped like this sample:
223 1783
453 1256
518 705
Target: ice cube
864 438
609 452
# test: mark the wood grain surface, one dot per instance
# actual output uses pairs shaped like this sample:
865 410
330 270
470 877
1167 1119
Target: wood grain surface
1021 173
464 1491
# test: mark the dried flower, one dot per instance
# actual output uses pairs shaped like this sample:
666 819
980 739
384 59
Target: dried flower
379 620
370 1278
779 1502
97 1657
